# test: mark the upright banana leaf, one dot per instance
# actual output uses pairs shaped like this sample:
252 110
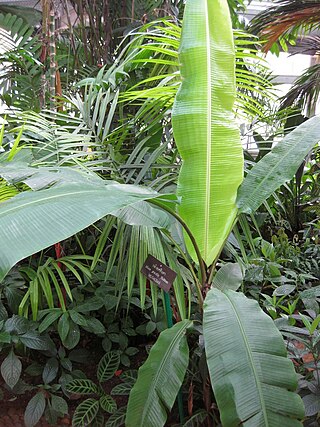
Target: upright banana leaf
252 378
204 128
278 166
34 220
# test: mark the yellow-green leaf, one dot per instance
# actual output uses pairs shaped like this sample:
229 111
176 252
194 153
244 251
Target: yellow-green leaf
204 127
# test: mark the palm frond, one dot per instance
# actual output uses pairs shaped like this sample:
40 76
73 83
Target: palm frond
150 61
305 91
286 18
20 66
30 15
307 45
126 248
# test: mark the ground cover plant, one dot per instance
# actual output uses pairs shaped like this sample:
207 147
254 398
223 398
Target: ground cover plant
76 227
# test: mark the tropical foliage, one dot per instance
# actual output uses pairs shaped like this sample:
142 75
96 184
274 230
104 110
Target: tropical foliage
144 157
283 25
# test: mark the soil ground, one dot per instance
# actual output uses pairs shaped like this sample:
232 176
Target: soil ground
12 406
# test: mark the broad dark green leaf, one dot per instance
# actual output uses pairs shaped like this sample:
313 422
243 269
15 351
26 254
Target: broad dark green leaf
3 312
159 378
252 378
312 404
11 369
78 318
49 319
64 326
73 336
80 355
50 370
34 410
17 324
5 337
35 341
35 369
284 290
91 304
59 405
94 326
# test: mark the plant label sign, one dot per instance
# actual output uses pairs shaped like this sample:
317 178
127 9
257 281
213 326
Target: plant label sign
158 273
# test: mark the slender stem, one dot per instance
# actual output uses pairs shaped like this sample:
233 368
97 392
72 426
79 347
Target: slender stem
52 54
197 283
211 272
170 324
188 231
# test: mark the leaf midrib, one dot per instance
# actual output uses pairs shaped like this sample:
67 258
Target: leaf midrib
249 352
59 196
163 362
209 107
271 170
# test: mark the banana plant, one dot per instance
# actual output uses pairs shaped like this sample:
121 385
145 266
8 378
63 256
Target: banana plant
252 379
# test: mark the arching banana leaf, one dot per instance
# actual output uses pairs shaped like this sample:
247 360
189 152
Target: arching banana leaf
35 220
278 166
204 128
252 378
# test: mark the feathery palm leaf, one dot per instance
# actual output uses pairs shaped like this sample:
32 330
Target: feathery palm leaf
159 44
20 67
305 91
30 15
286 17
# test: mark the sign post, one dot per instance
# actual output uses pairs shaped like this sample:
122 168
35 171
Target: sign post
162 276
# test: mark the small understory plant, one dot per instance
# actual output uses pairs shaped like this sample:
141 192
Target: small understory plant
92 411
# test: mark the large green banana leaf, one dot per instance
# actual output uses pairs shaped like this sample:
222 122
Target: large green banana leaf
159 379
278 166
38 178
35 220
143 213
252 379
204 128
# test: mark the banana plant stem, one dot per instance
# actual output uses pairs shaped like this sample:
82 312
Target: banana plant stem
196 279
193 241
